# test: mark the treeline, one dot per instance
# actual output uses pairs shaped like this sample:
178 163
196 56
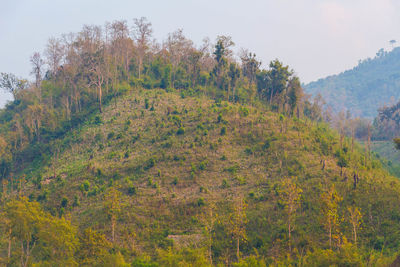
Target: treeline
79 72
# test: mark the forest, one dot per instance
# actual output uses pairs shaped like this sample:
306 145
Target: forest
127 151
369 86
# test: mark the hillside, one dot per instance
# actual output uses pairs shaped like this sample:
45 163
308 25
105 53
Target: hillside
174 158
372 84
127 152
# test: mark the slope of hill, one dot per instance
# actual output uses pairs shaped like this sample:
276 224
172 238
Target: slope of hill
173 159
129 152
362 90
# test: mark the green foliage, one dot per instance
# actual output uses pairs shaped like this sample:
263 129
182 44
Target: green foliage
180 131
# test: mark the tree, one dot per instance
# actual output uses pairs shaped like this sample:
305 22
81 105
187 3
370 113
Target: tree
12 84
294 95
112 207
37 69
142 32
221 54
96 67
278 76
209 218
94 248
54 54
250 65
54 238
355 218
342 162
290 196
237 223
234 74
330 200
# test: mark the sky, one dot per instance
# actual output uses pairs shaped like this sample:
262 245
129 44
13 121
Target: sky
316 38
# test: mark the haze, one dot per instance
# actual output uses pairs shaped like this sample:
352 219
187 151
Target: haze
315 37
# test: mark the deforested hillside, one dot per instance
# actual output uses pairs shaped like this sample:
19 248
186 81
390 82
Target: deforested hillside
372 84
155 169
126 152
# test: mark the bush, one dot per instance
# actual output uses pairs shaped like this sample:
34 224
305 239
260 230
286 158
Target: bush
201 202
150 164
180 131
223 130
110 135
64 202
97 120
224 183
85 186
131 190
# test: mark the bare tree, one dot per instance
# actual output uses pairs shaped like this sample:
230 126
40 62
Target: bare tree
54 54
142 32
37 70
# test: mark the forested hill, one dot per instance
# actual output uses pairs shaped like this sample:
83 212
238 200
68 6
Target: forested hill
129 152
365 88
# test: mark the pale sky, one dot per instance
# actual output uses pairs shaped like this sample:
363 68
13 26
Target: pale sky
314 37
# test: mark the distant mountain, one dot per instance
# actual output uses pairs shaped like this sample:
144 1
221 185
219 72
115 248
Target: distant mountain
372 84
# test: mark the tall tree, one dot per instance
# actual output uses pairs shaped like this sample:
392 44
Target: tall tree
113 208
142 31
355 218
330 200
37 69
238 222
54 54
290 195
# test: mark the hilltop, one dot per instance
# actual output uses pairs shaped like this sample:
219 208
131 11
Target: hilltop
372 84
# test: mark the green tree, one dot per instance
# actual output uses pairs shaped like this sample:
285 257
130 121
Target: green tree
355 219
12 84
237 223
330 200
290 196
113 208
41 237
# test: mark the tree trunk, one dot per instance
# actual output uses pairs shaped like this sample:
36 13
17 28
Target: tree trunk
209 250
289 235
9 243
113 228
100 96
237 249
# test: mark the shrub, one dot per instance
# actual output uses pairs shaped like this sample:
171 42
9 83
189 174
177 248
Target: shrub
223 130
201 202
76 203
110 135
224 183
150 164
131 190
97 120
180 131
64 202
85 186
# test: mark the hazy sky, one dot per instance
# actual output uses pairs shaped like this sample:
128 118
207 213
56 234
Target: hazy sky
315 37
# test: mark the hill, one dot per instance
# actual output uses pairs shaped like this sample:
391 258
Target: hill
131 153
372 84
175 158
